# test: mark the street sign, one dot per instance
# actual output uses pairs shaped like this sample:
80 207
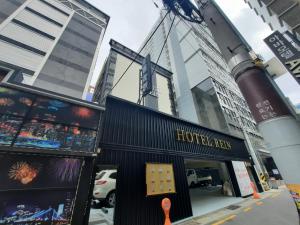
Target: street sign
147 85
285 52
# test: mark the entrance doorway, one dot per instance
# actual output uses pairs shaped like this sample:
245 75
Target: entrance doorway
210 186
104 196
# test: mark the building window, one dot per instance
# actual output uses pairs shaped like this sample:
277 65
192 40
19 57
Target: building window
250 5
270 25
269 11
3 74
263 18
255 10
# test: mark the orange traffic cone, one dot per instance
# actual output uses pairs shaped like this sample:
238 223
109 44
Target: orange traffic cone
255 194
166 206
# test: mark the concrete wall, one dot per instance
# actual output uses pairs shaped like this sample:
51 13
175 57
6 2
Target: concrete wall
209 111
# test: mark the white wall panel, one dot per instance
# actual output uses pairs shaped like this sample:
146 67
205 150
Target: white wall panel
48 11
181 29
18 56
197 70
27 37
187 49
39 23
27 79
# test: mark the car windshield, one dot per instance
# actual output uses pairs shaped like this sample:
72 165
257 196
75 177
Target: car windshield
100 175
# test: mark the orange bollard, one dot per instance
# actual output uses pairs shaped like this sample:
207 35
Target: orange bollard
166 206
255 194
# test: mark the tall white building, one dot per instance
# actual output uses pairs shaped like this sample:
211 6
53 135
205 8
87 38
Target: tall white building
281 15
206 93
51 44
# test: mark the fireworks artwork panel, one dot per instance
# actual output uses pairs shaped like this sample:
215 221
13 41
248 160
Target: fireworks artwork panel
14 102
56 136
18 172
9 125
63 112
36 208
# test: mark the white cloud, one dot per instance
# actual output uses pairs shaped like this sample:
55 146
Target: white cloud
130 22
289 87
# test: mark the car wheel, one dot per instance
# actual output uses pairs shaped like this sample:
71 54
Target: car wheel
111 199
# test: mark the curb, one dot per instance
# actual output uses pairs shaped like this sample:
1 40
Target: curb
222 215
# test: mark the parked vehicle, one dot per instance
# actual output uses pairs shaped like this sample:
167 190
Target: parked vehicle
194 179
105 187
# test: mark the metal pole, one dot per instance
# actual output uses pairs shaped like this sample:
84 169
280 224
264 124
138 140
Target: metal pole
257 166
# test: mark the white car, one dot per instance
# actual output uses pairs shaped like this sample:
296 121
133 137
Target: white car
105 187
194 179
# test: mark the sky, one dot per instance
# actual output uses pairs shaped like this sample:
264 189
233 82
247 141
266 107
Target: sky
131 21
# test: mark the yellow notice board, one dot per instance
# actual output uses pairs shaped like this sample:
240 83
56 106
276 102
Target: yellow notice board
159 179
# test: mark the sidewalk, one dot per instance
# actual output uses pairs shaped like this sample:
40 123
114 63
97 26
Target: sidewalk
222 215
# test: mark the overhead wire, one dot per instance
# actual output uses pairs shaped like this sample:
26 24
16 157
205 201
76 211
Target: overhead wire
133 60
165 41
162 48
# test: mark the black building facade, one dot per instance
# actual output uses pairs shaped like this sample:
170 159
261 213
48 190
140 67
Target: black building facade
133 136
59 141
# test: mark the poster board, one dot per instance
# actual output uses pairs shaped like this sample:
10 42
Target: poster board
295 192
242 177
159 179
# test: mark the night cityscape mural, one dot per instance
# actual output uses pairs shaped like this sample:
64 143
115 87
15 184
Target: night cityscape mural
43 135
38 208
62 112
46 123
9 125
55 136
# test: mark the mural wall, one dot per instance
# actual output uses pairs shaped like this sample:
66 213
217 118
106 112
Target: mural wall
35 188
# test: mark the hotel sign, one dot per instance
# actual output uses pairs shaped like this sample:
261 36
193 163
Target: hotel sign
144 130
200 139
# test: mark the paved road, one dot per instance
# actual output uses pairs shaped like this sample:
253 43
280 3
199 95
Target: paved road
279 209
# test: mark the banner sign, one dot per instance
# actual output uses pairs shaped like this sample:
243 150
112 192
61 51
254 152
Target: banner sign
242 177
285 52
147 85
